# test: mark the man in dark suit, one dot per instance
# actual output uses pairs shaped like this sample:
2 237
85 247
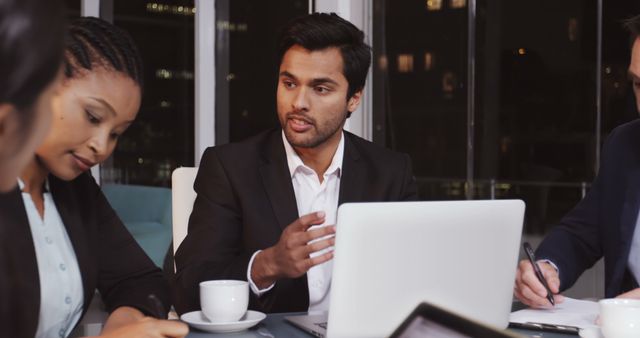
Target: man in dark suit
603 223
266 207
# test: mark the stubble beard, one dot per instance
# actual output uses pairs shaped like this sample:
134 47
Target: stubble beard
320 133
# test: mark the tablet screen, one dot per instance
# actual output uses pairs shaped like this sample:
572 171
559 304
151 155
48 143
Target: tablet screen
429 321
421 327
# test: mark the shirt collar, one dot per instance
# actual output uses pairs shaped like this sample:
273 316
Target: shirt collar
46 184
295 162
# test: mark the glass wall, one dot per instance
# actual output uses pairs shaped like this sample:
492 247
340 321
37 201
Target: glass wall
536 104
533 116
420 68
162 138
246 65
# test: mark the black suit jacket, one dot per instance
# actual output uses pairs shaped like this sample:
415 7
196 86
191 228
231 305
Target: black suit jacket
602 224
245 200
108 256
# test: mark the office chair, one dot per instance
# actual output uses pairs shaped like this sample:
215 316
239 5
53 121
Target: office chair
183 197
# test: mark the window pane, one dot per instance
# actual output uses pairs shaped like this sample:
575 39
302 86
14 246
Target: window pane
536 103
162 137
420 99
246 65
536 127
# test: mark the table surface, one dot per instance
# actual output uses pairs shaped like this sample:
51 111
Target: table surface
275 326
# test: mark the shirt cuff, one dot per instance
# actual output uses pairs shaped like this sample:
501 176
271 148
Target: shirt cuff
550 263
254 288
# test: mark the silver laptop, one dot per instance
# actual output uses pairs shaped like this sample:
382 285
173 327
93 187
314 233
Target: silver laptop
391 256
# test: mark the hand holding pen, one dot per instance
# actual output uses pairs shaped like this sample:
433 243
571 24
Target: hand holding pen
537 283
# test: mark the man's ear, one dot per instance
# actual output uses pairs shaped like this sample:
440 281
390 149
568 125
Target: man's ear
354 101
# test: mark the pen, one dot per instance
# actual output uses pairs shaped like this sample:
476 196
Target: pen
574 330
156 304
536 268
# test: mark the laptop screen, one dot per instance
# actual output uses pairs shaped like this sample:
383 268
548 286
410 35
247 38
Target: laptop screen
386 254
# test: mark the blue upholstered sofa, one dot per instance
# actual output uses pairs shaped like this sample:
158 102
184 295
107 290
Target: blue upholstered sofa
146 212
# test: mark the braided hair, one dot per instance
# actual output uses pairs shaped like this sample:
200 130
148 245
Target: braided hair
92 42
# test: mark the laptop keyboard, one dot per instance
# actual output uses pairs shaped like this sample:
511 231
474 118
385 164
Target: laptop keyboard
322 325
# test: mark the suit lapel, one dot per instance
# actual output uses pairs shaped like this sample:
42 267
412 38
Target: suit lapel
276 179
69 210
353 179
20 257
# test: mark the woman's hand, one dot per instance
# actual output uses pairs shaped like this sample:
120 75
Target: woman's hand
148 327
128 322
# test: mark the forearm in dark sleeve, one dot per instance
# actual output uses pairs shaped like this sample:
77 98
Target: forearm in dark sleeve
126 276
575 244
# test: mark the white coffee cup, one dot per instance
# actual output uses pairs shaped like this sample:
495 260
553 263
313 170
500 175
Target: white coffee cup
224 301
620 318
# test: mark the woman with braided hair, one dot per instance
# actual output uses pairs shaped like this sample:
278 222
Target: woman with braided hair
67 240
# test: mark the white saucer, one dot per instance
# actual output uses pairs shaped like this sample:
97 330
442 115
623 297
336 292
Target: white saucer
199 321
591 332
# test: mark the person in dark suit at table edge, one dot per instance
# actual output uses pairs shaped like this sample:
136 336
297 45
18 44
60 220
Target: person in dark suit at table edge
603 224
266 207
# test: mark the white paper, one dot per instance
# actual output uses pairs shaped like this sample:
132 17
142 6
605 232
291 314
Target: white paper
571 312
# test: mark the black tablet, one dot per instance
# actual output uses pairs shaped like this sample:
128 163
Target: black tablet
434 322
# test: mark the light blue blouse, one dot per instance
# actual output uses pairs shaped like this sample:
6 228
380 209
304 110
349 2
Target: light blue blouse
61 289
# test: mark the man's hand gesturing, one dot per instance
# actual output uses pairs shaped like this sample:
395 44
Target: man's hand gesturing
291 256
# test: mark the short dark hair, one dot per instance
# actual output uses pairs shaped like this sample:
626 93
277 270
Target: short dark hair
31 45
633 27
94 42
319 31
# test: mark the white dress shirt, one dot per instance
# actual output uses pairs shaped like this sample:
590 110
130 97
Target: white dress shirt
634 253
311 196
61 293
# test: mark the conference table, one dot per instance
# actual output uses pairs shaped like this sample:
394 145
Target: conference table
274 326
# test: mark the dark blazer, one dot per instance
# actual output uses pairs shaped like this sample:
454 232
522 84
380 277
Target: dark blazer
245 200
602 224
108 256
